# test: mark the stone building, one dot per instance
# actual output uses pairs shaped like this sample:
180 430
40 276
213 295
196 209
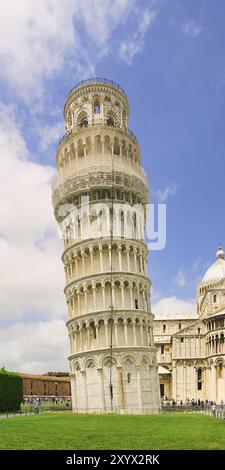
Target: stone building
99 200
45 386
191 350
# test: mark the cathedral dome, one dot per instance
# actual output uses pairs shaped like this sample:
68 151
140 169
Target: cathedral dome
216 272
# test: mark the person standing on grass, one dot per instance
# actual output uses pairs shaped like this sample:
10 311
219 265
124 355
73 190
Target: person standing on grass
213 409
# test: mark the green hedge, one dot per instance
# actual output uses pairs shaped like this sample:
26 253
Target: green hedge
11 391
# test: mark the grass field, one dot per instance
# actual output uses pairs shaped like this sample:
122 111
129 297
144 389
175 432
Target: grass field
76 432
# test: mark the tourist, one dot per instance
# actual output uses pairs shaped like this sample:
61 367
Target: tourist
213 409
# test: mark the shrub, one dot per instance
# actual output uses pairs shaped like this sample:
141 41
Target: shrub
11 391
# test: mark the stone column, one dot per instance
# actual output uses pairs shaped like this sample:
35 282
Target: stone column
135 333
101 387
92 261
81 339
122 294
113 294
142 334
120 257
135 260
73 306
125 332
131 298
213 383
88 337
94 297
101 260
78 303
85 300
128 260
84 387
139 388
76 267
106 333
103 297
116 332
97 335
174 382
73 391
83 265
185 382
120 387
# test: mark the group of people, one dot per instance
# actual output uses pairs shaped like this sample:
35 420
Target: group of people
204 404
43 400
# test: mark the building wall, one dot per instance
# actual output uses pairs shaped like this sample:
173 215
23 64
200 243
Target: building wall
46 386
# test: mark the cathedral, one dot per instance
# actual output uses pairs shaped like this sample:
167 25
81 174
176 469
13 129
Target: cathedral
191 350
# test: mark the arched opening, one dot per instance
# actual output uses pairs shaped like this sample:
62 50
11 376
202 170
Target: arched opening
80 148
199 378
116 147
214 298
96 106
84 122
110 121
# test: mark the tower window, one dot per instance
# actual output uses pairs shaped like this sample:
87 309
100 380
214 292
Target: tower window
214 299
96 106
129 378
84 122
179 326
182 340
199 331
110 122
162 349
136 304
164 328
199 378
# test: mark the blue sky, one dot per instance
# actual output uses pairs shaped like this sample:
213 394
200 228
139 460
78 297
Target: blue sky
169 57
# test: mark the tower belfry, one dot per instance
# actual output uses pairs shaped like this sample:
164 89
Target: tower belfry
99 201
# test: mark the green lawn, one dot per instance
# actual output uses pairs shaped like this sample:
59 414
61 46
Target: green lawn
72 432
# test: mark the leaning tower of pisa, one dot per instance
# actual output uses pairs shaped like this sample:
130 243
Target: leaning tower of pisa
99 201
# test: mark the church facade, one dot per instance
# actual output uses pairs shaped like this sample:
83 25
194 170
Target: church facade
191 350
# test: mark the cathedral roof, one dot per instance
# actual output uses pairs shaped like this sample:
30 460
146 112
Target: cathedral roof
216 272
175 315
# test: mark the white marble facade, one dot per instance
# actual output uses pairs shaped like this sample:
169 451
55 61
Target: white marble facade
99 201
191 350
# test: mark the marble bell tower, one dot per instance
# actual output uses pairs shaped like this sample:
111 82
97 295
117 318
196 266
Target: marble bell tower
99 201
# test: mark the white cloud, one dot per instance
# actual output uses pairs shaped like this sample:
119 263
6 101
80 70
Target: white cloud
163 194
170 306
180 279
192 29
40 39
34 347
49 134
132 46
31 272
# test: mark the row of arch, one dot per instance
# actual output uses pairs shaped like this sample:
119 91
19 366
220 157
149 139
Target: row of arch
96 222
92 146
93 258
123 360
104 332
97 181
96 106
215 324
101 294
215 344
106 195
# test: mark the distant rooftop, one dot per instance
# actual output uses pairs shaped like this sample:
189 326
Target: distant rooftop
175 316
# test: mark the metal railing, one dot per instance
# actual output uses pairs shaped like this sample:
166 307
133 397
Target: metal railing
78 129
90 81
